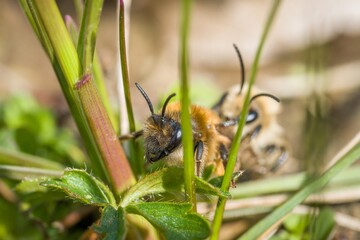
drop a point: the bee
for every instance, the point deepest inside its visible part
(264, 147)
(162, 135)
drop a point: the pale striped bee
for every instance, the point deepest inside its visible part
(264, 147)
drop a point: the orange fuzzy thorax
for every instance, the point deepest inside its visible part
(203, 122)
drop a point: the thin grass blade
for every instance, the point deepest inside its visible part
(22, 159)
(87, 36)
(135, 158)
(21, 173)
(187, 138)
(345, 161)
(237, 139)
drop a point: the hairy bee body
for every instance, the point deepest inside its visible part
(208, 142)
(162, 136)
(264, 147)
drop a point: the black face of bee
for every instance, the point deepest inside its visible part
(162, 135)
(165, 138)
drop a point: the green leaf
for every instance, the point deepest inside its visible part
(112, 223)
(217, 181)
(207, 173)
(31, 186)
(299, 226)
(22, 112)
(13, 224)
(167, 180)
(7, 139)
(324, 225)
(34, 195)
(173, 220)
(16, 107)
(296, 223)
(206, 188)
(81, 186)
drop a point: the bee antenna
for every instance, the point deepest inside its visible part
(264, 95)
(242, 67)
(166, 103)
(146, 98)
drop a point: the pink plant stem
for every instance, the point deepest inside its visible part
(114, 159)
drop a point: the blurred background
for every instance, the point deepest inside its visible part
(311, 61)
(313, 47)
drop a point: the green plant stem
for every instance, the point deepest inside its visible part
(60, 40)
(246, 212)
(237, 139)
(71, 27)
(39, 29)
(87, 35)
(290, 183)
(20, 173)
(79, 8)
(350, 157)
(26, 160)
(31, 18)
(187, 138)
(134, 146)
(124, 67)
(53, 35)
(97, 72)
(100, 84)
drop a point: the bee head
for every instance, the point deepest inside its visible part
(253, 113)
(162, 134)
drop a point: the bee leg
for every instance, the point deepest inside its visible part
(224, 154)
(199, 149)
(131, 135)
(256, 132)
(222, 159)
(281, 159)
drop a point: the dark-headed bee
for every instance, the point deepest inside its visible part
(162, 136)
(263, 146)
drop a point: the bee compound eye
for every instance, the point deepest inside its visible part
(252, 116)
(178, 134)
